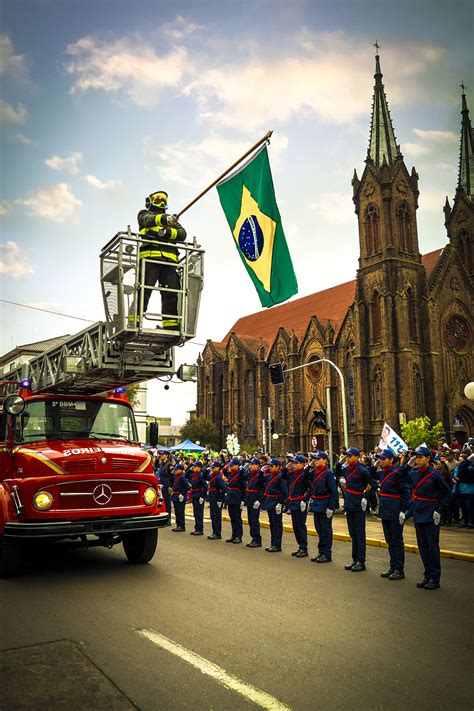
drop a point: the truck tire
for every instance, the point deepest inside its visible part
(140, 546)
(10, 556)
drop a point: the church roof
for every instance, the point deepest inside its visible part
(466, 152)
(382, 142)
(328, 305)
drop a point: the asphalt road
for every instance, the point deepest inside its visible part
(312, 636)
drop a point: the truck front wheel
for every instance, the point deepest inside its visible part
(140, 546)
(10, 556)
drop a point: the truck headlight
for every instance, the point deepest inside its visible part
(149, 496)
(42, 501)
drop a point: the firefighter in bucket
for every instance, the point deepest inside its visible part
(160, 233)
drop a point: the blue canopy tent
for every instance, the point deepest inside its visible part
(187, 446)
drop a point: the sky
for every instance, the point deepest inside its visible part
(105, 101)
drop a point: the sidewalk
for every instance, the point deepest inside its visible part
(455, 542)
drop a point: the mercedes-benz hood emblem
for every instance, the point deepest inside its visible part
(102, 494)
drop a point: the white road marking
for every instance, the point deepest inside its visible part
(258, 697)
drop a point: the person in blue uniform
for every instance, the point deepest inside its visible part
(255, 482)
(198, 496)
(165, 477)
(394, 500)
(235, 499)
(275, 495)
(324, 500)
(430, 496)
(298, 475)
(358, 481)
(215, 495)
(179, 492)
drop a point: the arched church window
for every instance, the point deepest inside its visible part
(208, 398)
(404, 227)
(418, 393)
(377, 395)
(411, 306)
(350, 388)
(250, 402)
(466, 255)
(376, 317)
(372, 230)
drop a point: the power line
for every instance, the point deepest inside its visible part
(47, 311)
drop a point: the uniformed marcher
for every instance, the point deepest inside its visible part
(255, 482)
(160, 232)
(179, 493)
(165, 477)
(198, 496)
(430, 496)
(355, 505)
(215, 495)
(394, 500)
(324, 500)
(235, 499)
(298, 475)
(275, 495)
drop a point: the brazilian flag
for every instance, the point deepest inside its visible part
(248, 200)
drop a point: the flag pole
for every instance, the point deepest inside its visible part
(254, 147)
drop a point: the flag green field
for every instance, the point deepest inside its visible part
(248, 200)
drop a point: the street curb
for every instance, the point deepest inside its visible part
(409, 547)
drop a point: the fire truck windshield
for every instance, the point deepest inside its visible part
(75, 419)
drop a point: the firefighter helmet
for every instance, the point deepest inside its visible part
(159, 198)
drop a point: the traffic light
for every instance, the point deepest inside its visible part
(320, 418)
(153, 433)
(277, 376)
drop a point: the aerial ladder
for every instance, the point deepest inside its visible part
(129, 346)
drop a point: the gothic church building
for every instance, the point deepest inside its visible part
(401, 332)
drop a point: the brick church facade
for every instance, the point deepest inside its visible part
(401, 332)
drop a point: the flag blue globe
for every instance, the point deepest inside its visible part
(251, 239)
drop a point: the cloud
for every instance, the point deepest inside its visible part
(10, 63)
(100, 185)
(415, 149)
(13, 261)
(55, 204)
(22, 139)
(436, 136)
(125, 65)
(69, 164)
(181, 162)
(429, 140)
(432, 199)
(8, 114)
(334, 207)
(4, 208)
(180, 28)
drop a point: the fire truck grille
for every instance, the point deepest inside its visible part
(124, 464)
(77, 466)
(99, 494)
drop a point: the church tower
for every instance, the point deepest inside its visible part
(460, 219)
(391, 281)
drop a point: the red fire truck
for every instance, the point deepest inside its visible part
(71, 465)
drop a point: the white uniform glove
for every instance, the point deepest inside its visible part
(201, 500)
(256, 504)
(329, 513)
(241, 505)
(180, 498)
(401, 518)
(436, 518)
(363, 504)
(219, 504)
(278, 509)
(412, 461)
(303, 505)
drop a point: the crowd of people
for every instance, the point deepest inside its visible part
(434, 487)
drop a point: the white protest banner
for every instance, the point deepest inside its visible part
(391, 440)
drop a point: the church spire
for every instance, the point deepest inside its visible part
(466, 153)
(382, 142)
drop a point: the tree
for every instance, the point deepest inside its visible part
(420, 430)
(203, 430)
(132, 394)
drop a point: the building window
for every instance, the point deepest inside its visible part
(208, 397)
(250, 396)
(465, 252)
(377, 395)
(314, 372)
(376, 317)
(418, 392)
(404, 227)
(411, 306)
(350, 389)
(372, 230)
(231, 400)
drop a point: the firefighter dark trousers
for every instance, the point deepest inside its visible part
(323, 526)
(298, 519)
(198, 510)
(179, 509)
(235, 514)
(427, 537)
(356, 527)
(216, 518)
(253, 516)
(167, 276)
(393, 533)
(276, 527)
